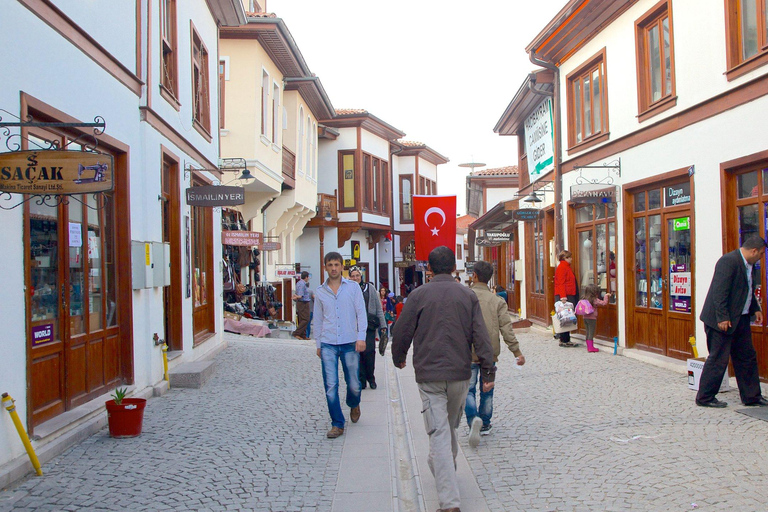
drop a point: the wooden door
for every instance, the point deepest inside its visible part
(679, 310)
(171, 213)
(539, 272)
(203, 320)
(286, 298)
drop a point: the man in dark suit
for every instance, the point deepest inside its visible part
(726, 314)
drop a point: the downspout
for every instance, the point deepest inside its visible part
(558, 148)
(264, 230)
(395, 271)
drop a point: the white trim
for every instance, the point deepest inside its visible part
(275, 148)
(226, 66)
(265, 169)
(223, 132)
(265, 140)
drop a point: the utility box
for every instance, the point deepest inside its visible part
(161, 260)
(695, 366)
(141, 265)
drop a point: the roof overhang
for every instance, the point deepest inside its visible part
(422, 151)
(576, 24)
(497, 218)
(535, 88)
(228, 13)
(365, 120)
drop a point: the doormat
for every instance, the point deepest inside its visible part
(760, 413)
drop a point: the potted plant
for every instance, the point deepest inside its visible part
(125, 415)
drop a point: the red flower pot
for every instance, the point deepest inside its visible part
(125, 419)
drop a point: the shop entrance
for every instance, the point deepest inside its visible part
(659, 280)
(540, 275)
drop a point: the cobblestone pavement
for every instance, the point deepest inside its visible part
(253, 438)
(576, 431)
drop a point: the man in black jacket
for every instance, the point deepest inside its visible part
(444, 321)
(726, 314)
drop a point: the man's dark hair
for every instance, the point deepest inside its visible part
(333, 256)
(483, 271)
(754, 242)
(304, 274)
(442, 260)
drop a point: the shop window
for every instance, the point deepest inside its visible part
(347, 179)
(539, 271)
(655, 64)
(406, 199)
(640, 202)
(596, 251)
(587, 103)
(746, 185)
(654, 199)
(168, 58)
(201, 108)
(746, 36)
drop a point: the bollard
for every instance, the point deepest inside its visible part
(615, 344)
(692, 341)
(10, 405)
(165, 363)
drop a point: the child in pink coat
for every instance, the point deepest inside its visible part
(592, 295)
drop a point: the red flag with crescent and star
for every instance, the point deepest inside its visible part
(434, 221)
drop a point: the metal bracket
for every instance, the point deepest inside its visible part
(611, 167)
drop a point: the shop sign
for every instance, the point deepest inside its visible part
(286, 272)
(350, 262)
(55, 172)
(42, 334)
(539, 140)
(680, 283)
(498, 236)
(212, 195)
(679, 268)
(270, 246)
(526, 214)
(681, 224)
(682, 305)
(241, 238)
(484, 241)
(677, 194)
(594, 193)
(469, 267)
(403, 264)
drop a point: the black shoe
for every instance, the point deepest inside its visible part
(363, 385)
(761, 402)
(373, 384)
(715, 403)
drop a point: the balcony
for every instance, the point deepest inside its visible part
(327, 213)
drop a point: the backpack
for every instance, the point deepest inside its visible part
(584, 307)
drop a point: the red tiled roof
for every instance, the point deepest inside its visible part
(510, 170)
(350, 111)
(464, 221)
(260, 15)
(411, 143)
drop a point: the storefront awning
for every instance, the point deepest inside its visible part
(497, 217)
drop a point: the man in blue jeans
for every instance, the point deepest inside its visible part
(497, 320)
(339, 323)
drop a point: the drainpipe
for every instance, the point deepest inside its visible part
(558, 148)
(264, 230)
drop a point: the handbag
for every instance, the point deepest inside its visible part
(558, 328)
(584, 307)
(383, 340)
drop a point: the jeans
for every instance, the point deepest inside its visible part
(486, 399)
(330, 356)
(309, 325)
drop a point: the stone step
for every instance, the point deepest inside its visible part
(191, 375)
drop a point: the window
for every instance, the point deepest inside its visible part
(747, 35)
(275, 111)
(406, 199)
(202, 267)
(347, 179)
(376, 191)
(655, 64)
(300, 152)
(264, 102)
(459, 255)
(308, 135)
(201, 108)
(222, 82)
(587, 103)
(427, 187)
(367, 183)
(313, 138)
(169, 71)
(385, 187)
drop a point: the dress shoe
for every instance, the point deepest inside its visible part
(354, 414)
(373, 384)
(334, 433)
(761, 402)
(714, 403)
(363, 384)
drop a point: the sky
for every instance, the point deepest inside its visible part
(441, 71)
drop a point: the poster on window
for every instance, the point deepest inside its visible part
(539, 140)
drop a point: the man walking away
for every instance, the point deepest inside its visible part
(496, 317)
(444, 321)
(339, 325)
(726, 314)
(302, 298)
(376, 323)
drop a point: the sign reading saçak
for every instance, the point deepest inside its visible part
(55, 172)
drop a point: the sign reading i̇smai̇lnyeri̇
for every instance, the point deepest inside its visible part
(55, 172)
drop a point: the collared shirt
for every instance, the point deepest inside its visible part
(339, 318)
(302, 290)
(745, 311)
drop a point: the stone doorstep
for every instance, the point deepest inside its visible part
(191, 375)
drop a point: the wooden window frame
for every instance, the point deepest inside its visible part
(355, 176)
(736, 65)
(265, 81)
(459, 255)
(308, 148)
(385, 186)
(409, 179)
(169, 60)
(367, 183)
(597, 61)
(300, 138)
(646, 106)
(202, 240)
(222, 83)
(275, 111)
(201, 85)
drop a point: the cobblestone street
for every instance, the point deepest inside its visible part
(572, 431)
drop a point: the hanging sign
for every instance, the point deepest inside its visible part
(286, 272)
(539, 140)
(680, 283)
(498, 236)
(484, 241)
(677, 194)
(270, 246)
(212, 195)
(526, 214)
(55, 172)
(594, 193)
(469, 267)
(241, 238)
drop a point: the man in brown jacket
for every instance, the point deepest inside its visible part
(443, 320)
(497, 320)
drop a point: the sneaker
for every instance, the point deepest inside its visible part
(354, 414)
(486, 429)
(474, 432)
(334, 433)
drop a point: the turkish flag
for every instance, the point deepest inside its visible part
(434, 221)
